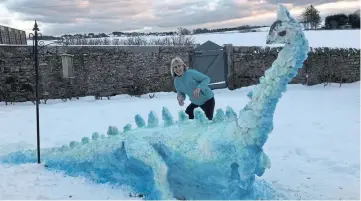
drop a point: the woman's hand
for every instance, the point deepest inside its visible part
(196, 93)
(180, 100)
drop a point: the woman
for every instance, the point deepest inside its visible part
(194, 84)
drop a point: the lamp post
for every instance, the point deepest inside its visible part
(36, 65)
(37, 46)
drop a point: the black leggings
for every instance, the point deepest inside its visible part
(207, 107)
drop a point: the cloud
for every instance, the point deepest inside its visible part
(65, 11)
(198, 12)
(299, 2)
(56, 17)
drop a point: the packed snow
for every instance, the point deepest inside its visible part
(314, 147)
(316, 38)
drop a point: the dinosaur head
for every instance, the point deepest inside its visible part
(284, 29)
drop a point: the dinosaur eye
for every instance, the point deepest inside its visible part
(282, 33)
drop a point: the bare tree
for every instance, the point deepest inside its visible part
(183, 31)
(177, 40)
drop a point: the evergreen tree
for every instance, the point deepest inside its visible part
(310, 17)
(335, 21)
(354, 20)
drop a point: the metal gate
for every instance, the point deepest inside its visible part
(209, 59)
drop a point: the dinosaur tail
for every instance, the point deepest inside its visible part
(257, 116)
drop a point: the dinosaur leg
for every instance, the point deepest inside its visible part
(160, 169)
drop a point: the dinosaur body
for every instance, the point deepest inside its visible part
(192, 159)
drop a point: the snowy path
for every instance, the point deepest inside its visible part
(314, 148)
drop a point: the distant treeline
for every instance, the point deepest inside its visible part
(47, 38)
(339, 21)
(181, 31)
(240, 28)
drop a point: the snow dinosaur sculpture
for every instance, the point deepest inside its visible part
(192, 159)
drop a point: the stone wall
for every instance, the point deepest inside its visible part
(98, 70)
(248, 64)
(111, 70)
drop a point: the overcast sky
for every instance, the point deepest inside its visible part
(57, 17)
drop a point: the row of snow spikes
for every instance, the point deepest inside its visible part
(153, 121)
(199, 117)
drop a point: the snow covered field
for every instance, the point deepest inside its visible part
(319, 38)
(340, 38)
(314, 147)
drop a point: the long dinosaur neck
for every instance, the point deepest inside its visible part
(257, 116)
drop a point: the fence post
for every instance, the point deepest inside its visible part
(228, 49)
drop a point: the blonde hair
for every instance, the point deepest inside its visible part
(176, 61)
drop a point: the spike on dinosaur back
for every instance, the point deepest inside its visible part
(95, 136)
(112, 130)
(153, 120)
(139, 121)
(182, 116)
(127, 127)
(72, 144)
(230, 113)
(199, 116)
(85, 140)
(167, 117)
(219, 116)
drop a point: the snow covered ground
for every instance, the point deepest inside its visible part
(319, 38)
(314, 147)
